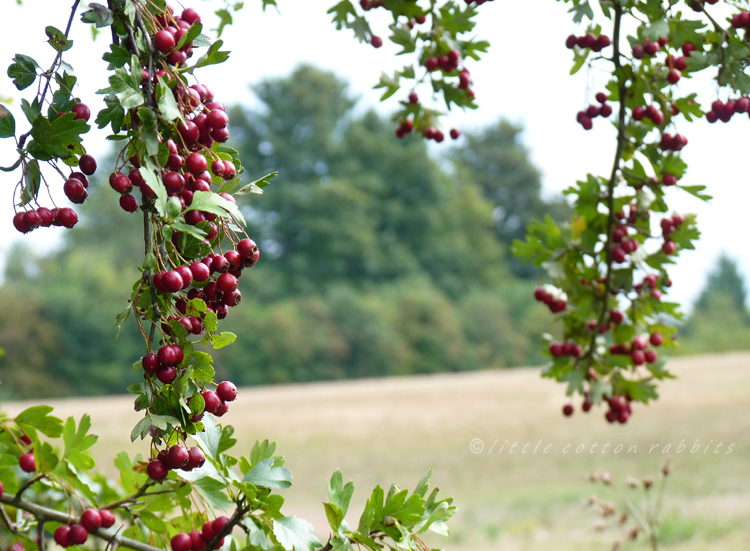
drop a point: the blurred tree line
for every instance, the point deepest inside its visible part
(376, 258)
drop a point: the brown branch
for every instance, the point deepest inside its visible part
(622, 92)
(44, 514)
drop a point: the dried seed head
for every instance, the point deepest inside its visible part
(616, 545)
(667, 468)
(633, 533)
(648, 482)
(593, 477)
(633, 482)
(622, 518)
(606, 478)
(600, 527)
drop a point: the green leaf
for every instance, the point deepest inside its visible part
(118, 57)
(373, 509)
(193, 32)
(213, 56)
(257, 186)
(23, 71)
(225, 18)
(149, 176)
(406, 510)
(32, 179)
(222, 340)
(99, 15)
(112, 114)
(167, 104)
(40, 419)
(697, 191)
(149, 130)
(55, 138)
(77, 440)
(295, 534)
(45, 457)
(335, 516)
(153, 522)
(340, 494)
(128, 477)
(31, 110)
(7, 123)
(58, 40)
(262, 451)
(203, 371)
(264, 474)
(212, 491)
(208, 201)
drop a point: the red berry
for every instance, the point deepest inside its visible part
(164, 41)
(200, 271)
(639, 343)
(77, 535)
(455, 133)
(567, 410)
(27, 462)
(181, 542)
(673, 77)
(217, 119)
(157, 470)
(171, 280)
(196, 163)
(166, 374)
(108, 518)
(212, 400)
(196, 458)
(87, 164)
(669, 247)
(246, 248)
(376, 41)
(150, 363)
(638, 357)
(62, 536)
(650, 356)
(91, 519)
(178, 457)
(227, 282)
(656, 339)
(616, 316)
(82, 112)
(191, 16)
(227, 391)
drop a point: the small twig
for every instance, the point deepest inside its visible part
(28, 483)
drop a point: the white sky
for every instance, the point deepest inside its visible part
(524, 78)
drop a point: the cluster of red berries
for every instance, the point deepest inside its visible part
(173, 28)
(620, 409)
(668, 225)
(622, 245)
(636, 349)
(741, 20)
(672, 143)
(648, 48)
(43, 217)
(163, 363)
(555, 304)
(585, 118)
(75, 189)
(431, 133)
(175, 458)
(448, 62)
(650, 282)
(566, 348)
(594, 43)
(651, 112)
(724, 111)
(197, 540)
(77, 534)
(220, 294)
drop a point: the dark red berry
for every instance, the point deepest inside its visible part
(91, 519)
(227, 391)
(77, 535)
(81, 111)
(150, 363)
(196, 458)
(87, 164)
(27, 462)
(567, 410)
(181, 542)
(62, 536)
(108, 518)
(166, 374)
(164, 41)
(212, 400)
(157, 470)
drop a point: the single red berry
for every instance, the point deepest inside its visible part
(431, 63)
(673, 77)
(200, 271)
(150, 363)
(178, 457)
(586, 406)
(87, 164)
(639, 343)
(638, 357)
(157, 470)
(227, 282)
(196, 163)
(227, 391)
(77, 535)
(27, 462)
(166, 374)
(62, 536)
(73, 189)
(211, 400)
(181, 542)
(376, 41)
(108, 518)
(413, 98)
(164, 41)
(455, 133)
(669, 247)
(567, 410)
(196, 458)
(616, 316)
(656, 339)
(197, 543)
(191, 16)
(246, 247)
(91, 520)
(81, 111)
(650, 356)
(171, 280)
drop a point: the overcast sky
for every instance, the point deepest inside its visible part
(524, 78)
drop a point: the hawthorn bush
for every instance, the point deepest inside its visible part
(608, 266)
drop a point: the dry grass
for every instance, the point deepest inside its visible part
(386, 430)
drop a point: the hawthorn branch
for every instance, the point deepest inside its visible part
(622, 92)
(243, 507)
(44, 514)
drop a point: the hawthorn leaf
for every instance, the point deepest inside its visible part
(264, 474)
(295, 534)
(7, 123)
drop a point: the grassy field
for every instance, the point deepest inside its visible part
(392, 430)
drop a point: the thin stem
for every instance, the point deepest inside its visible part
(622, 91)
(45, 514)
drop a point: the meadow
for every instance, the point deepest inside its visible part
(379, 431)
